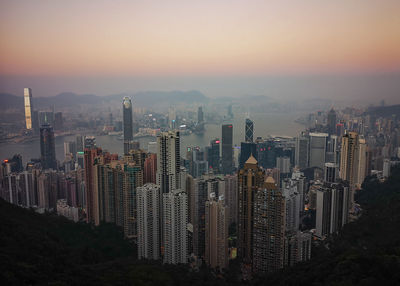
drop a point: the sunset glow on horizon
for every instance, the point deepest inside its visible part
(119, 38)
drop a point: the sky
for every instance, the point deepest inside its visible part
(116, 46)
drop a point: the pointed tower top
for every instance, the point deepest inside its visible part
(251, 160)
(270, 180)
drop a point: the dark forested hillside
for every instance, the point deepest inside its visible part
(366, 252)
(47, 249)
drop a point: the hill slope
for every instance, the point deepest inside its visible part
(47, 249)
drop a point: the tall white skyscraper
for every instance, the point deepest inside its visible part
(175, 220)
(168, 161)
(28, 107)
(149, 219)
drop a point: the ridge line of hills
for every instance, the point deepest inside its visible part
(71, 99)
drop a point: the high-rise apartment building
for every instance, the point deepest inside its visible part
(168, 161)
(250, 181)
(175, 220)
(203, 188)
(330, 172)
(200, 196)
(227, 148)
(28, 108)
(133, 178)
(47, 148)
(92, 206)
(249, 130)
(297, 248)
(127, 123)
(150, 169)
(149, 220)
(361, 163)
(348, 157)
(353, 161)
(332, 208)
(70, 149)
(115, 184)
(20, 189)
(231, 197)
(292, 205)
(268, 228)
(216, 232)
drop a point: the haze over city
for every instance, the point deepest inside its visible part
(290, 49)
(176, 142)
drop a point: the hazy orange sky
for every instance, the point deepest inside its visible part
(338, 50)
(120, 38)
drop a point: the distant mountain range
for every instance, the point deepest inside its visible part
(67, 99)
(384, 111)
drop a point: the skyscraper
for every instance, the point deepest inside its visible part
(92, 206)
(332, 208)
(127, 123)
(149, 219)
(213, 156)
(47, 148)
(227, 148)
(361, 163)
(150, 169)
(133, 178)
(332, 122)
(216, 233)
(168, 161)
(332, 149)
(46, 117)
(249, 130)
(231, 197)
(353, 161)
(28, 107)
(246, 150)
(330, 172)
(302, 151)
(175, 219)
(58, 121)
(200, 196)
(318, 143)
(114, 186)
(35, 121)
(200, 115)
(269, 228)
(250, 181)
(80, 143)
(70, 148)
